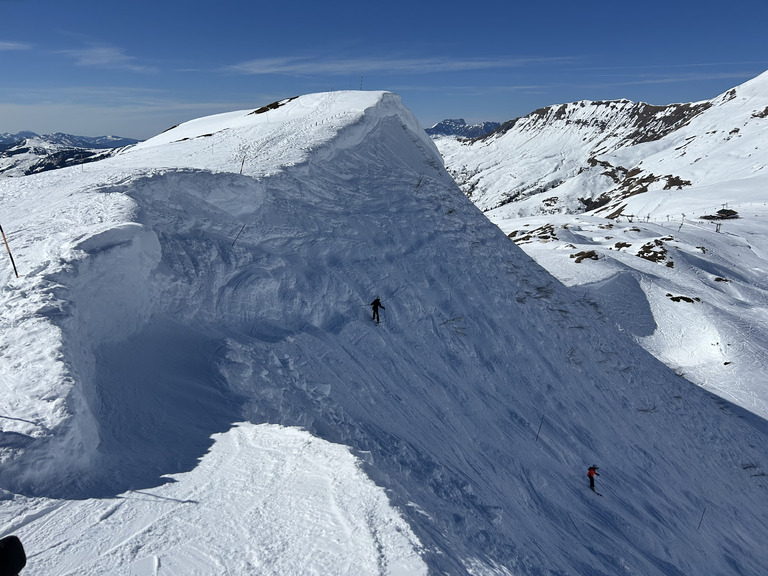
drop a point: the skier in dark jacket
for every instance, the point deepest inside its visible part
(376, 304)
(591, 473)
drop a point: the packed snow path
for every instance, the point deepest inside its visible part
(166, 297)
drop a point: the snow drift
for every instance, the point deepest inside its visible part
(221, 273)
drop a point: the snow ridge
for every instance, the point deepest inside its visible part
(222, 272)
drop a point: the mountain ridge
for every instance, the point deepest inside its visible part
(200, 302)
(8, 140)
(567, 146)
(459, 127)
(27, 153)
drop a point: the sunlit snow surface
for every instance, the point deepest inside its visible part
(659, 253)
(192, 384)
(264, 500)
(696, 299)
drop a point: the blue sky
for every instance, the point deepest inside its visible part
(136, 68)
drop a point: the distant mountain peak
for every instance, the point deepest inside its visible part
(459, 127)
(639, 122)
(28, 152)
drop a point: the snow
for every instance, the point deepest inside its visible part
(720, 340)
(28, 152)
(192, 382)
(333, 519)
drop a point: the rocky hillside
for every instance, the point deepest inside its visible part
(587, 156)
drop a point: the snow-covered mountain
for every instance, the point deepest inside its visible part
(62, 140)
(192, 383)
(28, 153)
(625, 201)
(583, 156)
(459, 127)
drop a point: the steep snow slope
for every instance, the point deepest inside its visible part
(166, 296)
(696, 299)
(648, 190)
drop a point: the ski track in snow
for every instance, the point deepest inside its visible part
(192, 383)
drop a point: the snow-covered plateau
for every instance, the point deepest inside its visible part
(656, 214)
(191, 382)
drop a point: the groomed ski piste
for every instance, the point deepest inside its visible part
(191, 382)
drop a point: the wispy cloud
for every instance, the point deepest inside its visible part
(142, 100)
(341, 66)
(9, 46)
(469, 89)
(612, 76)
(108, 57)
(691, 77)
(95, 110)
(668, 66)
(604, 82)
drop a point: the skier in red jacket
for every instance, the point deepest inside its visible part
(591, 473)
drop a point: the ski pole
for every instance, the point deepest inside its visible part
(9, 252)
(238, 235)
(702, 518)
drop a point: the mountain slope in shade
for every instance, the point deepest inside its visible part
(187, 305)
(459, 127)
